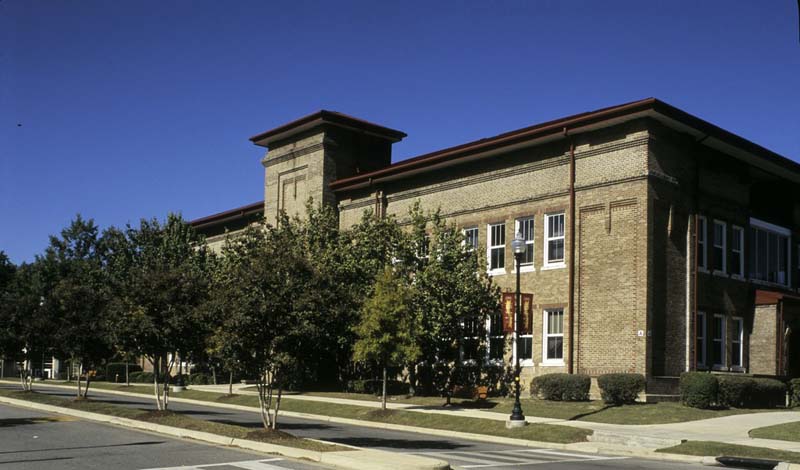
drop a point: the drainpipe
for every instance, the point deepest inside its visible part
(780, 343)
(571, 288)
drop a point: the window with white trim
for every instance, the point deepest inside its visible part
(737, 343)
(718, 330)
(553, 336)
(471, 238)
(525, 228)
(554, 239)
(737, 250)
(700, 343)
(769, 252)
(720, 246)
(702, 255)
(525, 348)
(497, 248)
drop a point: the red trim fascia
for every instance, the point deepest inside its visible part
(228, 214)
(332, 117)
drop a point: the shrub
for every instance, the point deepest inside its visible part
(498, 379)
(768, 393)
(375, 387)
(619, 389)
(735, 391)
(115, 369)
(142, 377)
(794, 390)
(200, 378)
(561, 387)
(699, 389)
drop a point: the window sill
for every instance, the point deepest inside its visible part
(738, 277)
(720, 273)
(720, 368)
(526, 363)
(769, 283)
(548, 267)
(551, 364)
(738, 369)
(701, 269)
(496, 272)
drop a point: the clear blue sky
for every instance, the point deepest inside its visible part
(132, 109)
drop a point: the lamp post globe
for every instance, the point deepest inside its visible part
(517, 418)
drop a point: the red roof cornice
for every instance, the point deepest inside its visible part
(228, 215)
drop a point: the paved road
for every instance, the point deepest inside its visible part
(461, 453)
(31, 440)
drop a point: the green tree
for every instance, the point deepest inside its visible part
(387, 329)
(262, 293)
(159, 276)
(24, 325)
(77, 300)
(453, 296)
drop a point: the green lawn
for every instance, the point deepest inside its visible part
(718, 449)
(176, 420)
(782, 432)
(593, 411)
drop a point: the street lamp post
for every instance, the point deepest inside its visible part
(517, 419)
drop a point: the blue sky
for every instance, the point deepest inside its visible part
(126, 109)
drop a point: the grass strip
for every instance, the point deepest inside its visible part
(781, 432)
(178, 420)
(719, 449)
(491, 427)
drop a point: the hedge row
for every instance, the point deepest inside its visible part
(375, 387)
(794, 390)
(615, 389)
(561, 387)
(704, 390)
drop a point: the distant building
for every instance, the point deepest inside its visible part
(659, 243)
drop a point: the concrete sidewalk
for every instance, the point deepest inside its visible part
(728, 429)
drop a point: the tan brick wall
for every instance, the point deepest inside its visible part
(764, 340)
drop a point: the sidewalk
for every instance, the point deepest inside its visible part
(728, 429)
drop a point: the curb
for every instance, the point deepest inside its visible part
(359, 459)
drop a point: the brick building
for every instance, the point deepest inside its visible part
(658, 242)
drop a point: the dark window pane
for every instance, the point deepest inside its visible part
(555, 251)
(555, 347)
(496, 346)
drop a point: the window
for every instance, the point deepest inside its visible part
(718, 342)
(737, 344)
(497, 341)
(769, 252)
(497, 248)
(553, 337)
(525, 228)
(702, 261)
(470, 342)
(424, 247)
(525, 348)
(554, 239)
(720, 249)
(700, 343)
(471, 238)
(737, 249)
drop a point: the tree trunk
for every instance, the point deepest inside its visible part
(264, 399)
(156, 371)
(127, 372)
(230, 383)
(167, 378)
(23, 380)
(214, 375)
(86, 388)
(80, 369)
(277, 408)
(383, 394)
(412, 379)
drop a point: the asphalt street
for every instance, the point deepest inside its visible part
(31, 440)
(461, 453)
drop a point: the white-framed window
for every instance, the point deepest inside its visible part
(737, 344)
(700, 343)
(554, 239)
(496, 250)
(524, 227)
(702, 253)
(718, 332)
(471, 238)
(553, 336)
(720, 246)
(525, 348)
(737, 249)
(496, 339)
(769, 252)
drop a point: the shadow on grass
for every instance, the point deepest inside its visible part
(414, 444)
(593, 412)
